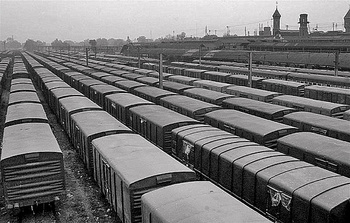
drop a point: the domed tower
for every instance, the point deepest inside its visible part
(347, 22)
(303, 30)
(276, 22)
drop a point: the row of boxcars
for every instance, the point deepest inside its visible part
(278, 185)
(31, 161)
(127, 167)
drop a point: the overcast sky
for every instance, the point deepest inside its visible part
(75, 20)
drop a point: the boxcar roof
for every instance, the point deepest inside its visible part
(135, 159)
(129, 84)
(248, 122)
(182, 78)
(64, 92)
(257, 105)
(333, 149)
(28, 138)
(77, 102)
(176, 86)
(188, 103)
(112, 79)
(329, 89)
(119, 72)
(254, 91)
(153, 91)
(105, 88)
(199, 201)
(22, 87)
(217, 73)
(93, 122)
(283, 82)
(206, 93)
(21, 96)
(57, 84)
(126, 99)
(21, 81)
(323, 121)
(23, 111)
(132, 76)
(160, 116)
(308, 102)
(211, 83)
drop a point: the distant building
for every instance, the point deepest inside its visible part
(276, 22)
(303, 30)
(347, 22)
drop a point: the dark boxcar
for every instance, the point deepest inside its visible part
(258, 108)
(331, 94)
(195, 202)
(89, 125)
(284, 87)
(319, 150)
(252, 93)
(119, 104)
(259, 130)
(99, 92)
(56, 94)
(329, 126)
(129, 86)
(311, 105)
(206, 95)
(212, 85)
(127, 166)
(31, 165)
(151, 81)
(152, 94)
(25, 112)
(188, 106)
(175, 87)
(183, 79)
(216, 76)
(156, 123)
(71, 105)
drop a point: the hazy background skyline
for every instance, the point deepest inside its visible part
(74, 20)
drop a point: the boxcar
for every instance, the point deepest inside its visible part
(152, 94)
(22, 87)
(328, 153)
(259, 130)
(212, 85)
(332, 81)
(176, 87)
(242, 80)
(216, 76)
(56, 94)
(132, 76)
(89, 125)
(99, 75)
(331, 94)
(21, 81)
(311, 105)
(329, 126)
(258, 108)
(119, 104)
(182, 79)
(195, 202)
(128, 85)
(196, 73)
(99, 92)
(111, 79)
(71, 105)
(151, 81)
(31, 165)
(284, 87)
(128, 166)
(156, 123)
(206, 95)
(85, 85)
(25, 112)
(188, 106)
(156, 75)
(252, 93)
(21, 97)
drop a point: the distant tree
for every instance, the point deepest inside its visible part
(12, 44)
(141, 39)
(181, 36)
(30, 45)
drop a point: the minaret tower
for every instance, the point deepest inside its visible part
(276, 21)
(303, 31)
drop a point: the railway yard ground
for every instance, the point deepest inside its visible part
(82, 202)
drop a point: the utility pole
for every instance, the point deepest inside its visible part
(336, 62)
(87, 56)
(161, 71)
(250, 69)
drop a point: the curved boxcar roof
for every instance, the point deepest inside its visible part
(105, 88)
(207, 94)
(22, 87)
(21, 81)
(316, 146)
(196, 202)
(324, 107)
(59, 93)
(283, 82)
(322, 121)
(136, 160)
(19, 97)
(127, 100)
(190, 104)
(78, 103)
(160, 116)
(252, 91)
(128, 84)
(25, 112)
(57, 84)
(251, 123)
(28, 138)
(175, 87)
(154, 92)
(94, 122)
